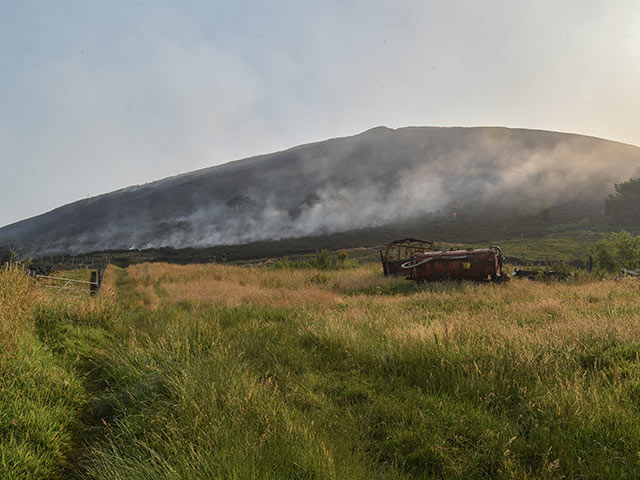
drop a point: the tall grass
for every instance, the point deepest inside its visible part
(523, 380)
(16, 297)
(39, 396)
(216, 371)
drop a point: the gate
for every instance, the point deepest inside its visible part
(70, 285)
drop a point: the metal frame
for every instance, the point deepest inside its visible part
(70, 285)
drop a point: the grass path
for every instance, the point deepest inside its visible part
(76, 336)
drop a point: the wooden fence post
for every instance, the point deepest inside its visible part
(101, 271)
(93, 288)
(96, 281)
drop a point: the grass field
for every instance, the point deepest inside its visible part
(214, 371)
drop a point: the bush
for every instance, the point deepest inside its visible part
(622, 207)
(562, 267)
(619, 250)
(325, 260)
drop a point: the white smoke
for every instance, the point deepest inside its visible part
(365, 181)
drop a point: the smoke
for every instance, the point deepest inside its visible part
(333, 209)
(101, 94)
(370, 180)
(516, 179)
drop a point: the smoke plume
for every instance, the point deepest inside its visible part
(368, 180)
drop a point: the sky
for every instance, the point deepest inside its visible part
(96, 96)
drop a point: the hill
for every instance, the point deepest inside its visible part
(415, 176)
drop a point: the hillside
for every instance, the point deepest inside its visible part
(380, 178)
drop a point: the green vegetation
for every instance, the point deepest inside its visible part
(552, 247)
(619, 250)
(40, 395)
(622, 207)
(212, 371)
(322, 260)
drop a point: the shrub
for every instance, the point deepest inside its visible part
(621, 249)
(622, 207)
(325, 260)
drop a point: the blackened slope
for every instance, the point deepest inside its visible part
(356, 182)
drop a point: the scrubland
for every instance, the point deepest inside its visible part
(213, 371)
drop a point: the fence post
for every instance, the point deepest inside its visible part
(93, 288)
(101, 277)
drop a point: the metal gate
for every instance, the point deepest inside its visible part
(73, 286)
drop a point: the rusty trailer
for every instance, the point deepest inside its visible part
(401, 251)
(479, 264)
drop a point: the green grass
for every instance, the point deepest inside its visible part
(378, 378)
(247, 392)
(39, 400)
(40, 395)
(552, 247)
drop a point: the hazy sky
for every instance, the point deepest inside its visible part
(95, 96)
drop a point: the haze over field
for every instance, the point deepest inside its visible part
(368, 180)
(97, 96)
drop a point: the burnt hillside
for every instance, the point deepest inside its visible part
(361, 182)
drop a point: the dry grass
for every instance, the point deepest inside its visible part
(40, 397)
(534, 314)
(205, 285)
(17, 296)
(213, 371)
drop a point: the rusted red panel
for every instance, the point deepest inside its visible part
(456, 264)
